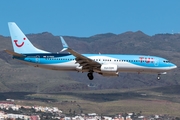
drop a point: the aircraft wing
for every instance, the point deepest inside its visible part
(84, 61)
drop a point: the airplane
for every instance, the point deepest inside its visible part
(103, 64)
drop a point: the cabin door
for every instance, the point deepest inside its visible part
(37, 58)
(156, 62)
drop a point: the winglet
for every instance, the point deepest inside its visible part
(64, 44)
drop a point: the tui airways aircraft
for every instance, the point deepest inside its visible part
(104, 64)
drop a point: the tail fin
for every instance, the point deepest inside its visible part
(20, 42)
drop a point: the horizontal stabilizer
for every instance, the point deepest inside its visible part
(14, 53)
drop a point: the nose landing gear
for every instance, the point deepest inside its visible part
(158, 77)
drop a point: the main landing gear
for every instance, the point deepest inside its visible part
(158, 77)
(90, 76)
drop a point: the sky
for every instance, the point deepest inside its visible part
(85, 18)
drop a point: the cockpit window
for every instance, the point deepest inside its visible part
(166, 61)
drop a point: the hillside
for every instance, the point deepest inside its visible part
(15, 76)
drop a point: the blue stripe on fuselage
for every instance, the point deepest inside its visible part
(139, 60)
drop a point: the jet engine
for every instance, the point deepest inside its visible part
(109, 68)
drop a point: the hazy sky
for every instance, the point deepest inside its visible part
(84, 18)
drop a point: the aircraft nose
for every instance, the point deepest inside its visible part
(174, 66)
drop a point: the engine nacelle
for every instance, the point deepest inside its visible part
(79, 68)
(109, 68)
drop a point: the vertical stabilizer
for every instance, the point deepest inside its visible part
(20, 42)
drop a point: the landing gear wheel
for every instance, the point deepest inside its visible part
(90, 76)
(158, 77)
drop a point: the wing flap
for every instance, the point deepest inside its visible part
(82, 60)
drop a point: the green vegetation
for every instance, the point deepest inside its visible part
(106, 102)
(115, 101)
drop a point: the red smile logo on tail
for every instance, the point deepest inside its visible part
(19, 45)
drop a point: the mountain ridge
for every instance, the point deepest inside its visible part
(163, 45)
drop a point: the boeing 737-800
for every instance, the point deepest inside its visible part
(103, 64)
